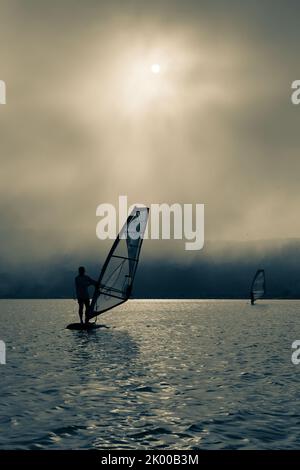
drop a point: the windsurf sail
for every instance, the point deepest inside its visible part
(258, 287)
(115, 282)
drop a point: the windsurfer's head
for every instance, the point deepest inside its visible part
(81, 270)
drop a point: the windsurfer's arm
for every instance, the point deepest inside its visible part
(92, 282)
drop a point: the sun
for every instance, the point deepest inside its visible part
(155, 68)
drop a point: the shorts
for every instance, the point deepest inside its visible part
(83, 302)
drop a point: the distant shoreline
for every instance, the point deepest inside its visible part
(165, 299)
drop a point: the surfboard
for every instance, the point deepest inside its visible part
(83, 326)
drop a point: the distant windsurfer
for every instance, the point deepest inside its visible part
(82, 284)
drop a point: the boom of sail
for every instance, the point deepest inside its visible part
(115, 282)
(258, 287)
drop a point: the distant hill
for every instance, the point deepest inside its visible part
(221, 270)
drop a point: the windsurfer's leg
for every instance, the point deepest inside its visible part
(87, 310)
(80, 311)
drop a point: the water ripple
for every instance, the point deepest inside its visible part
(174, 375)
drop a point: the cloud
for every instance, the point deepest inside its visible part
(84, 125)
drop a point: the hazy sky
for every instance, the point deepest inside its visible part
(87, 121)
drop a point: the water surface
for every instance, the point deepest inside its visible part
(171, 375)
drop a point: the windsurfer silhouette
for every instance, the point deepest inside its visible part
(82, 283)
